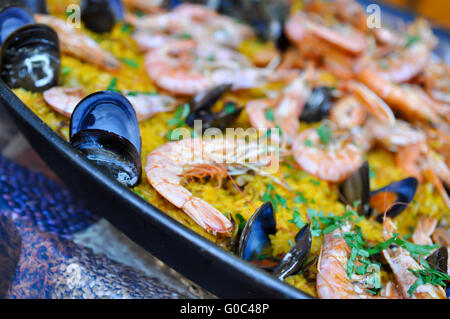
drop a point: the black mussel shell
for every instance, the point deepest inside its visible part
(318, 105)
(395, 198)
(35, 6)
(30, 58)
(439, 259)
(101, 15)
(12, 18)
(295, 259)
(201, 109)
(255, 235)
(356, 188)
(105, 128)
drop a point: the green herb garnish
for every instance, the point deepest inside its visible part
(112, 85)
(269, 115)
(180, 115)
(65, 70)
(324, 133)
(130, 63)
(411, 40)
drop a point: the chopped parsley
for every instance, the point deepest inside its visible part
(308, 143)
(300, 198)
(411, 40)
(65, 70)
(229, 107)
(297, 219)
(324, 133)
(274, 198)
(126, 28)
(180, 115)
(112, 85)
(130, 63)
(269, 115)
(429, 275)
(242, 221)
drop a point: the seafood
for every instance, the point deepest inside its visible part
(332, 160)
(187, 67)
(341, 35)
(78, 44)
(144, 5)
(169, 164)
(436, 78)
(405, 98)
(64, 100)
(104, 127)
(422, 162)
(400, 262)
(348, 112)
(30, 58)
(193, 21)
(410, 57)
(286, 109)
(423, 231)
(332, 279)
(101, 15)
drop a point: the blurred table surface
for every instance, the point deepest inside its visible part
(101, 237)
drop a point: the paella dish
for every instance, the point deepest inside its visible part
(309, 138)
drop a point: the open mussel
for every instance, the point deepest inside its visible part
(35, 6)
(439, 259)
(30, 58)
(255, 235)
(101, 15)
(254, 243)
(11, 19)
(295, 259)
(318, 105)
(104, 127)
(201, 109)
(391, 199)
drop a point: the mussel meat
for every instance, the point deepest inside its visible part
(391, 199)
(254, 241)
(295, 259)
(318, 105)
(104, 127)
(201, 109)
(35, 6)
(12, 18)
(101, 15)
(30, 58)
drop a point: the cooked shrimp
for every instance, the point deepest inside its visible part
(197, 22)
(422, 162)
(286, 109)
(333, 161)
(332, 280)
(348, 112)
(437, 81)
(406, 99)
(423, 231)
(64, 100)
(169, 164)
(78, 44)
(342, 36)
(400, 262)
(148, 6)
(409, 57)
(188, 67)
(376, 106)
(393, 137)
